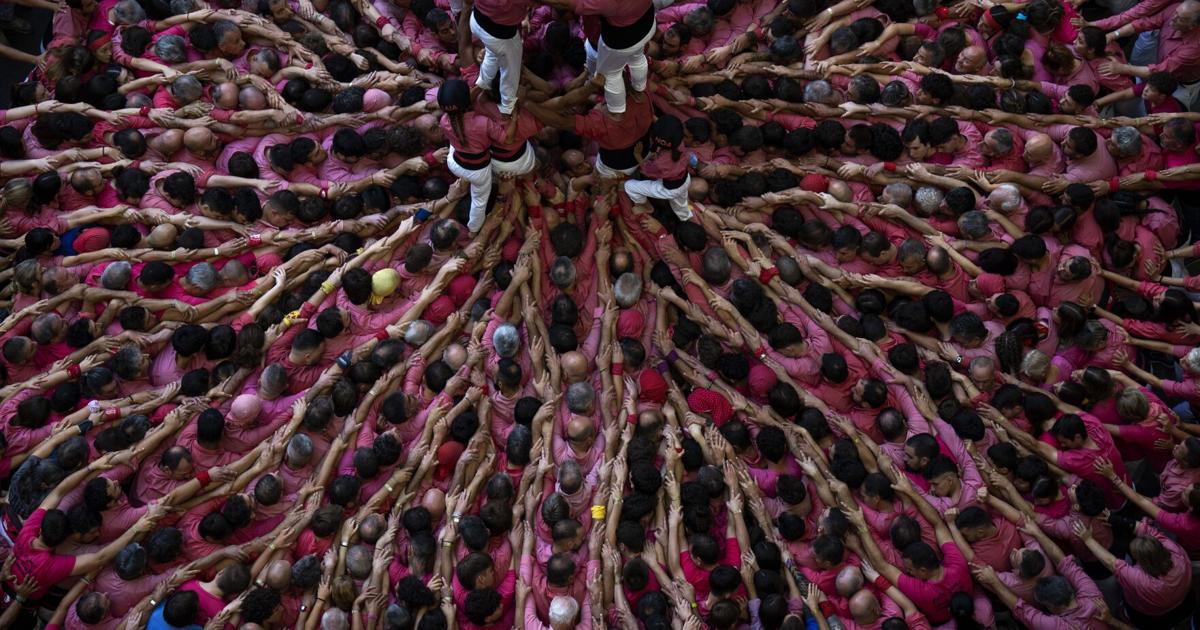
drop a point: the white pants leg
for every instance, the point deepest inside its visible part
(589, 61)
(503, 55)
(481, 189)
(611, 63)
(641, 189)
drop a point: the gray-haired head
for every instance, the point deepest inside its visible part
(1191, 361)
(116, 275)
(819, 91)
(627, 290)
(335, 619)
(927, 200)
(203, 277)
(1003, 139)
(506, 340)
(1126, 142)
(45, 327)
(273, 381)
(186, 89)
(299, 451)
(419, 332)
(1035, 364)
(171, 49)
(580, 397)
(1005, 199)
(563, 610)
(179, 7)
(128, 12)
(562, 272)
(898, 193)
(358, 561)
(974, 225)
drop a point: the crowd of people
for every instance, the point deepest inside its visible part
(553, 314)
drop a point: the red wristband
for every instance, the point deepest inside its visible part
(307, 309)
(618, 369)
(759, 33)
(144, 111)
(632, 419)
(112, 413)
(827, 608)
(383, 335)
(381, 21)
(429, 158)
(535, 212)
(73, 371)
(1114, 184)
(255, 240)
(204, 478)
(765, 275)
(135, 165)
(485, 389)
(889, 167)
(324, 192)
(1151, 176)
(882, 583)
(942, 13)
(299, 118)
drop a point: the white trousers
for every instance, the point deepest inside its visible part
(641, 189)
(481, 189)
(518, 167)
(503, 55)
(607, 172)
(612, 63)
(589, 59)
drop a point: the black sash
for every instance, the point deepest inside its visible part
(622, 37)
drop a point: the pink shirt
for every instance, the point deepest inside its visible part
(1150, 594)
(933, 598)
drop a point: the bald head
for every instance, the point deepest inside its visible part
(455, 356)
(579, 428)
(1039, 149)
(864, 607)
(840, 190)
(233, 274)
(849, 580)
(574, 366)
(971, 60)
(435, 501)
(279, 575)
(200, 140)
(162, 236)
(573, 158)
(252, 98)
(371, 528)
(225, 95)
(168, 142)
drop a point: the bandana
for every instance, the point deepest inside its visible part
(92, 239)
(706, 401)
(989, 284)
(761, 380)
(653, 387)
(383, 284)
(815, 183)
(439, 310)
(630, 323)
(460, 289)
